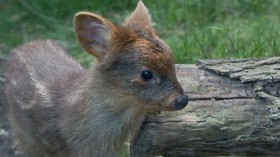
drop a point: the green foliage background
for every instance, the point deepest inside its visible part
(194, 29)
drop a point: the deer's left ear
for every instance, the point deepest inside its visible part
(140, 17)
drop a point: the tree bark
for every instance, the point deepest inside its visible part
(233, 110)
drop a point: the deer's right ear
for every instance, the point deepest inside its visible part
(94, 33)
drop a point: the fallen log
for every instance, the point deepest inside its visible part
(233, 110)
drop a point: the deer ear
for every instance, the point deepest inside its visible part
(94, 33)
(140, 17)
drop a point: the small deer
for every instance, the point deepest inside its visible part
(58, 109)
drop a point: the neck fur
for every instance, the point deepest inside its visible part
(98, 124)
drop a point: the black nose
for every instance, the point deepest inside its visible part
(181, 102)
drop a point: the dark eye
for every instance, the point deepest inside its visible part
(147, 75)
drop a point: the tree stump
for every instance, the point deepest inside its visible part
(233, 110)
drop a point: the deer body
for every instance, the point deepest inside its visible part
(59, 109)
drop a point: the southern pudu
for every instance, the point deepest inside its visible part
(58, 109)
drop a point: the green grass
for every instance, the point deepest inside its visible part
(195, 29)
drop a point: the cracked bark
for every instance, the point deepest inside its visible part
(233, 110)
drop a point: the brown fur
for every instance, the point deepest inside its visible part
(58, 109)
